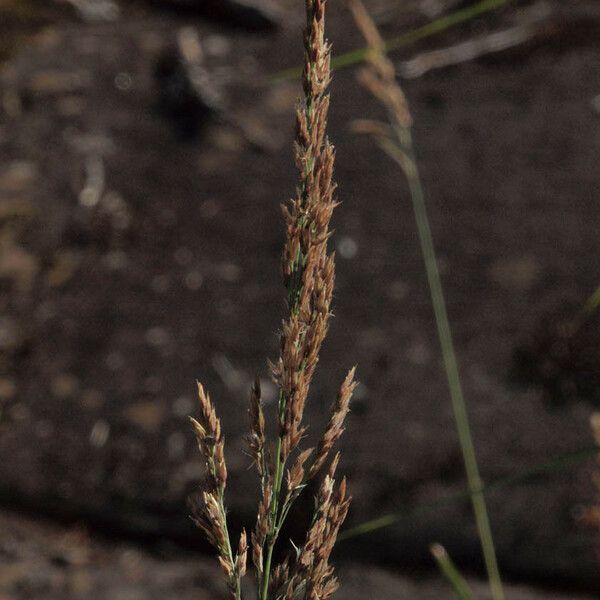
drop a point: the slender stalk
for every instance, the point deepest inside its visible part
(272, 536)
(211, 515)
(456, 393)
(451, 573)
(228, 549)
(396, 139)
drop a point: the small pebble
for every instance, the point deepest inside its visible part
(183, 406)
(123, 81)
(8, 389)
(229, 272)
(64, 385)
(158, 336)
(194, 280)
(148, 416)
(347, 247)
(100, 433)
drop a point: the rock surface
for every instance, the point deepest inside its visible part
(150, 262)
(44, 561)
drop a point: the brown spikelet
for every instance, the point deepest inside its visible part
(308, 270)
(308, 275)
(242, 554)
(256, 439)
(279, 580)
(296, 475)
(335, 427)
(210, 440)
(262, 528)
(210, 516)
(312, 570)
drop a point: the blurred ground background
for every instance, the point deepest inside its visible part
(140, 239)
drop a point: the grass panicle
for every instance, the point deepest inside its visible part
(284, 467)
(211, 515)
(378, 77)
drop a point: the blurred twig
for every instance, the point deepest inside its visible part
(526, 29)
(405, 39)
(93, 11)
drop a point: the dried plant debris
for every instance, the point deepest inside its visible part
(543, 23)
(93, 11)
(284, 467)
(528, 25)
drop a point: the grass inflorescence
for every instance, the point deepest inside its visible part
(284, 466)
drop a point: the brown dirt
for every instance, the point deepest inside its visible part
(109, 311)
(40, 560)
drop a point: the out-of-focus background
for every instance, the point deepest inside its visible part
(145, 149)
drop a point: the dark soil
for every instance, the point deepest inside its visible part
(40, 560)
(112, 304)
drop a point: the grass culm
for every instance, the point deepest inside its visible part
(285, 468)
(395, 138)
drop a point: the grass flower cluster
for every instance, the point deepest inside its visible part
(284, 466)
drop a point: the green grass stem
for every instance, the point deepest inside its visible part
(452, 374)
(451, 573)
